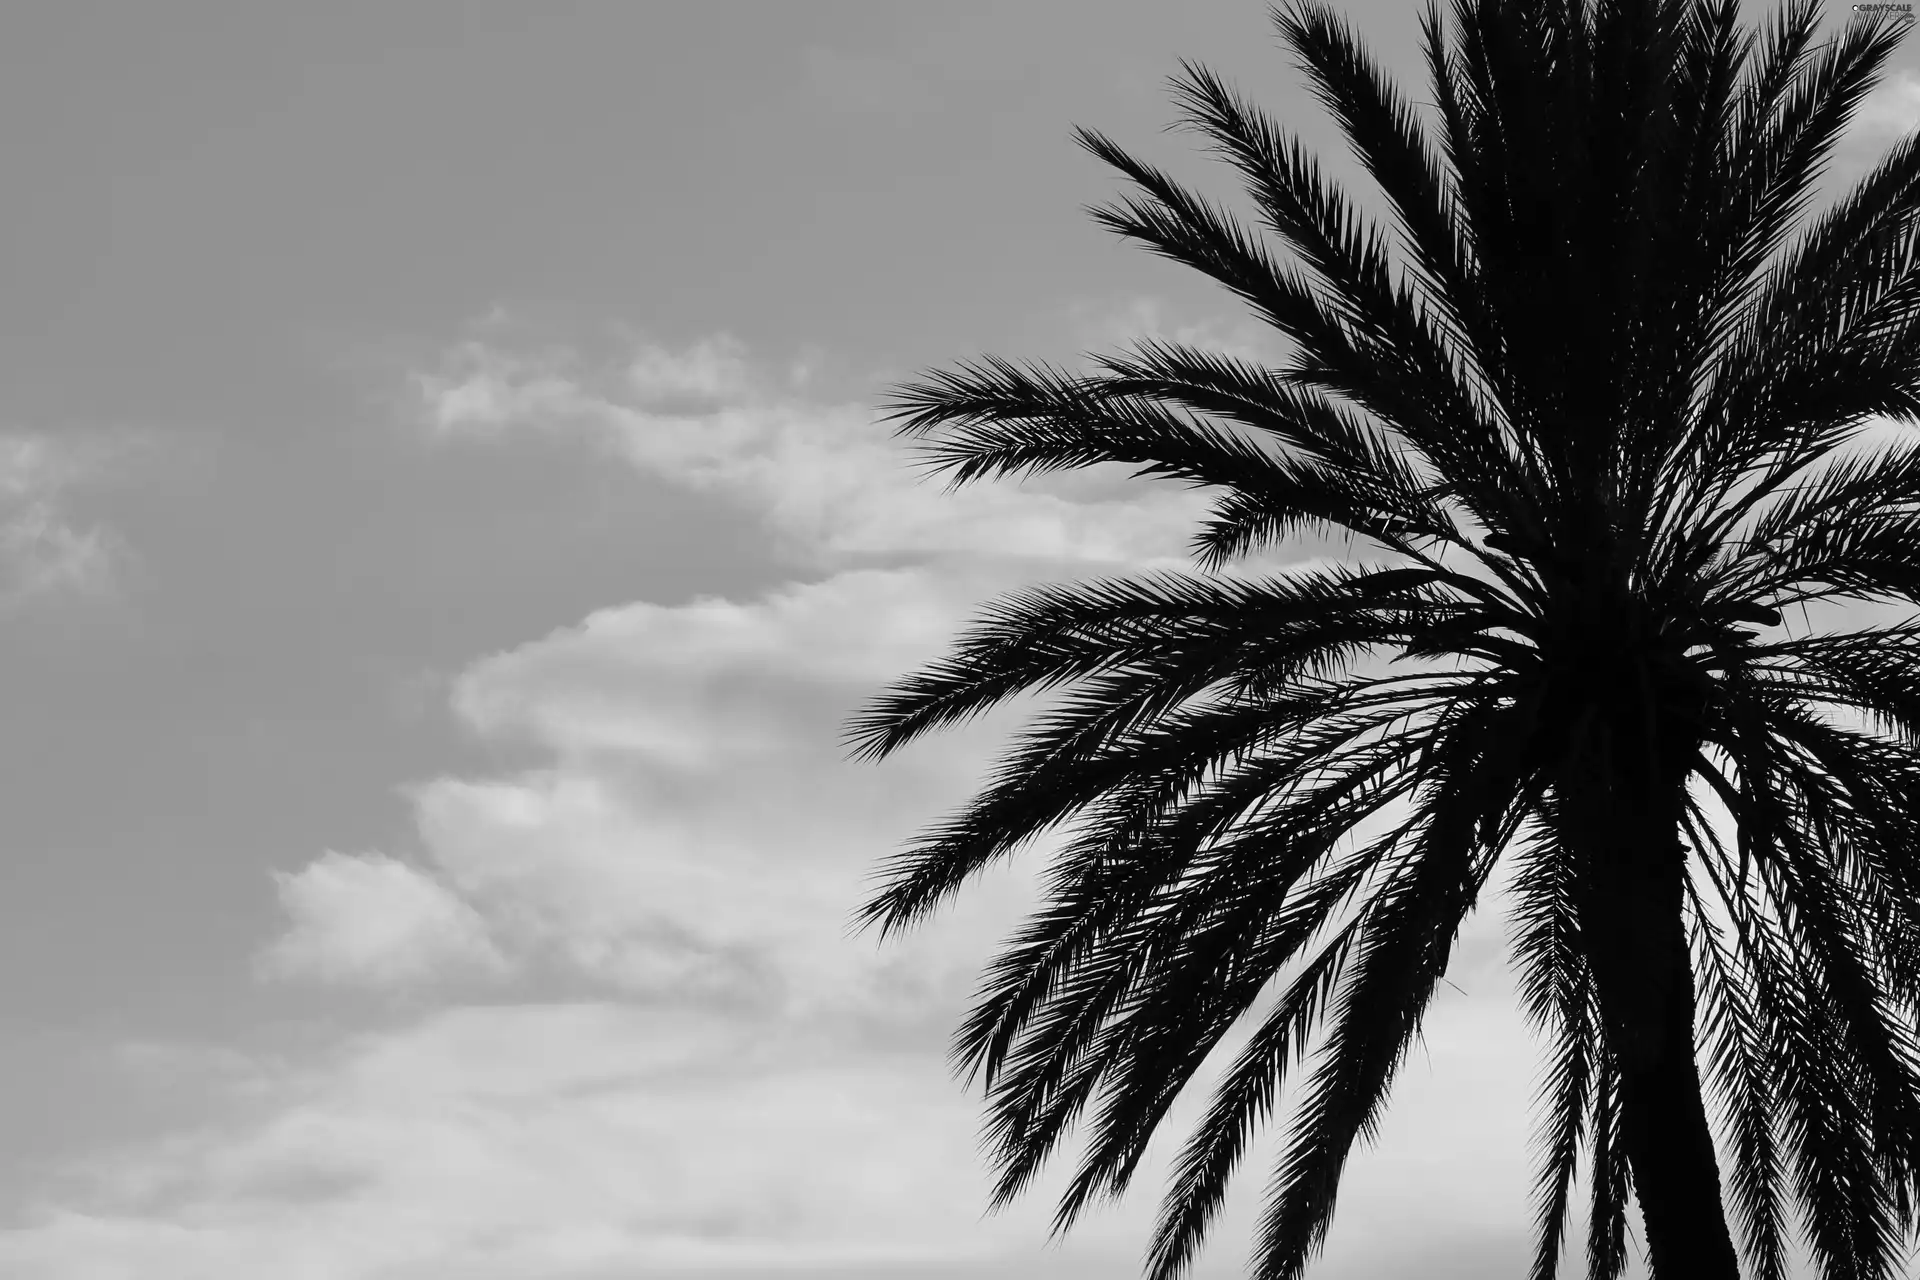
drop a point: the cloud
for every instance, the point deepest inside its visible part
(695, 833)
(1892, 110)
(585, 1140)
(652, 679)
(689, 834)
(688, 1064)
(559, 1140)
(689, 839)
(828, 480)
(1107, 324)
(43, 548)
(372, 919)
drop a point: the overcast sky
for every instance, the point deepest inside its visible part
(444, 528)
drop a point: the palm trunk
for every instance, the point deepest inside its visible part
(1645, 977)
(1625, 793)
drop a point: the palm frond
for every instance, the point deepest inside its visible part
(1275, 632)
(1244, 1100)
(1386, 136)
(1783, 388)
(1740, 1051)
(1149, 833)
(1069, 1043)
(1392, 384)
(1401, 957)
(1555, 989)
(1612, 1181)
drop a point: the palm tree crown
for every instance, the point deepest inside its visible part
(1588, 418)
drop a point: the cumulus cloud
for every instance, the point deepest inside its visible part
(697, 835)
(372, 919)
(691, 835)
(706, 1071)
(604, 684)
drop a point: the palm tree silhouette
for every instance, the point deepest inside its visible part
(1592, 423)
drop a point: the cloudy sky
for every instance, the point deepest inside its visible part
(443, 528)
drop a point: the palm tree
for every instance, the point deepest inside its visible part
(1590, 424)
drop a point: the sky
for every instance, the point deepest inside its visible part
(444, 526)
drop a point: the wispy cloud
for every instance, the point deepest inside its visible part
(1111, 323)
(828, 479)
(43, 546)
(561, 1141)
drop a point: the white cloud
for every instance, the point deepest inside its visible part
(710, 1073)
(651, 679)
(372, 919)
(558, 1142)
(714, 895)
(1892, 110)
(828, 479)
(588, 1140)
(698, 833)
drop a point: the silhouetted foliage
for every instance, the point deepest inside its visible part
(1586, 423)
